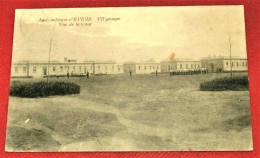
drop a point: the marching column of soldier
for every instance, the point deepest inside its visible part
(189, 71)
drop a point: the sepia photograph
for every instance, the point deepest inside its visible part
(129, 79)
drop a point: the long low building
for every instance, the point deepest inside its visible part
(71, 67)
(146, 67)
(180, 64)
(224, 64)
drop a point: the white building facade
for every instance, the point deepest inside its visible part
(148, 67)
(180, 65)
(225, 64)
(68, 67)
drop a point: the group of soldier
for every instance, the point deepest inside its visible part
(172, 72)
(68, 75)
(130, 73)
(189, 71)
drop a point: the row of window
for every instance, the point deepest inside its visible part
(191, 66)
(16, 70)
(73, 68)
(243, 64)
(61, 68)
(151, 67)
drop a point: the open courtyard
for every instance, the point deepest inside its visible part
(128, 113)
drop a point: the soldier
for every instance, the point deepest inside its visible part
(87, 74)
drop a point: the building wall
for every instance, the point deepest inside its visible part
(238, 65)
(213, 65)
(19, 70)
(178, 65)
(129, 66)
(106, 68)
(146, 68)
(167, 66)
(41, 69)
(120, 69)
(188, 65)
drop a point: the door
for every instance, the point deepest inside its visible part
(44, 71)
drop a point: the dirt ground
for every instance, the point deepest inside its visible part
(132, 113)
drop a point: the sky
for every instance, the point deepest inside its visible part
(141, 33)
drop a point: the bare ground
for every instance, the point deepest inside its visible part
(141, 112)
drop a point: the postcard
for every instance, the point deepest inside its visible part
(129, 79)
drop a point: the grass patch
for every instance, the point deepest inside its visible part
(238, 83)
(42, 89)
(21, 139)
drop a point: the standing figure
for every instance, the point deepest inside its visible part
(68, 75)
(156, 72)
(130, 72)
(87, 74)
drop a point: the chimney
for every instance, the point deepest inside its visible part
(65, 59)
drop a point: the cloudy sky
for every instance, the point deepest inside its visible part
(141, 34)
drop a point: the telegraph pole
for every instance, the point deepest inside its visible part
(49, 61)
(230, 51)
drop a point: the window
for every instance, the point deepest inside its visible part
(53, 68)
(191, 66)
(232, 64)
(139, 67)
(79, 68)
(34, 69)
(198, 65)
(118, 69)
(145, 67)
(243, 64)
(195, 66)
(187, 66)
(237, 63)
(227, 63)
(24, 69)
(67, 68)
(61, 69)
(85, 69)
(181, 66)
(16, 69)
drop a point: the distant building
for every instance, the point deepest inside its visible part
(55, 68)
(223, 64)
(145, 67)
(148, 67)
(180, 64)
(105, 67)
(129, 66)
(120, 68)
